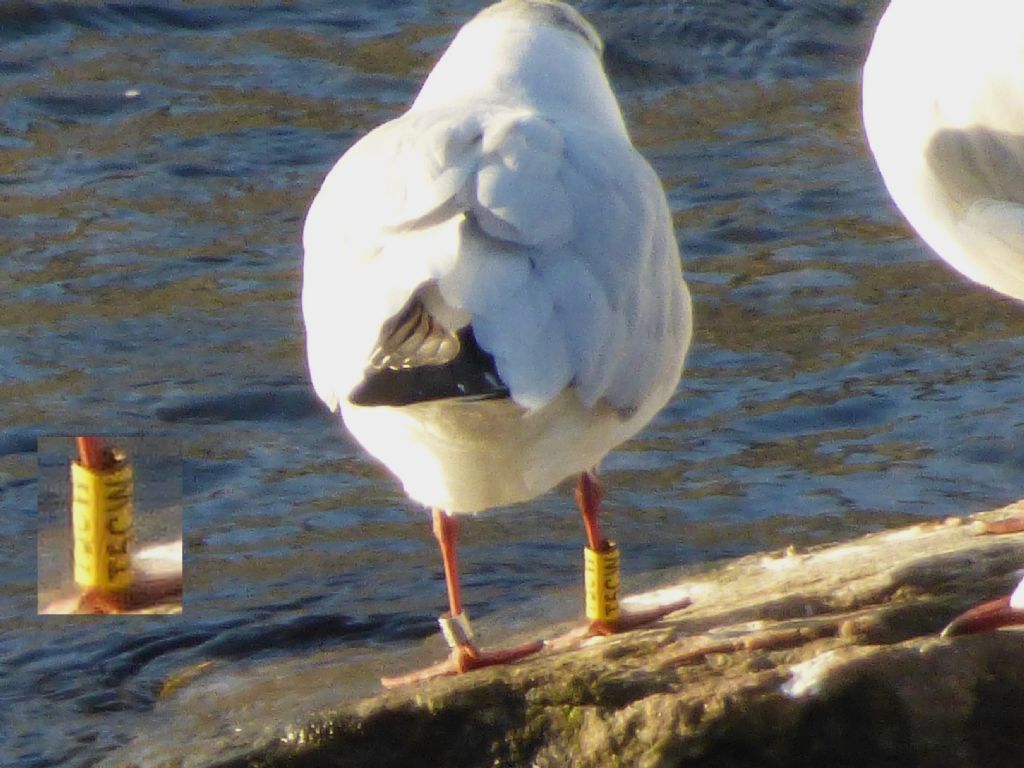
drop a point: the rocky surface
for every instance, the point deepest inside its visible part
(826, 657)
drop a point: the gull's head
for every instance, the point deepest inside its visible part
(538, 54)
(550, 12)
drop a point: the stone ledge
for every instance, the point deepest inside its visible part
(827, 657)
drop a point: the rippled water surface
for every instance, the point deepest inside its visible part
(155, 166)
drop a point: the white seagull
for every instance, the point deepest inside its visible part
(492, 289)
(944, 115)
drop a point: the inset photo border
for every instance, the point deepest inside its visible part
(110, 517)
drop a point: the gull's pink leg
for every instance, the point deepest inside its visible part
(588, 499)
(465, 655)
(1009, 525)
(994, 613)
(985, 617)
(92, 453)
(446, 531)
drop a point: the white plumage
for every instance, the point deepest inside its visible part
(508, 198)
(944, 114)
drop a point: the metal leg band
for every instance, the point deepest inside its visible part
(456, 629)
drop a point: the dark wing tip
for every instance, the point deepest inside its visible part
(417, 360)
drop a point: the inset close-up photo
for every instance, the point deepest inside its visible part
(110, 525)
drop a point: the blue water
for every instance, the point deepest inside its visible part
(156, 162)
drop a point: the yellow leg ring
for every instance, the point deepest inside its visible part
(601, 582)
(101, 513)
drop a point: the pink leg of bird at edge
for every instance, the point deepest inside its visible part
(465, 655)
(994, 613)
